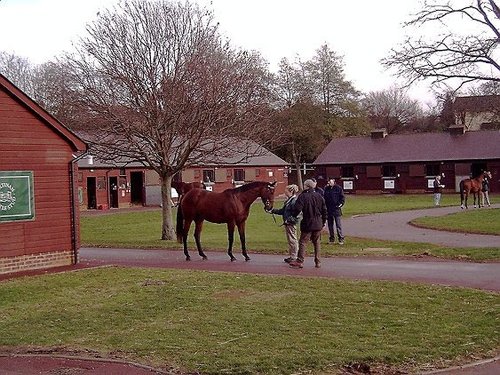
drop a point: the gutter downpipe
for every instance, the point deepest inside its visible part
(72, 164)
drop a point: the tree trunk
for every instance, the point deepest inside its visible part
(296, 162)
(168, 226)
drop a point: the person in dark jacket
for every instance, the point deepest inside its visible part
(334, 199)
(485, 193)
(313, 208)
(438, 188)
(289, 221)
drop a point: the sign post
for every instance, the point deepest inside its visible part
(17, 200)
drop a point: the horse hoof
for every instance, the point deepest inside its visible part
(188, 258)
(247, 259)
(204, 257)
(233, 259)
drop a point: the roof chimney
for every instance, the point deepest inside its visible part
(379, 133)
(456, 129)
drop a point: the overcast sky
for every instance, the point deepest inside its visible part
(361, 31)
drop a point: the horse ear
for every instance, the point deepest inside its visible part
(272, 185)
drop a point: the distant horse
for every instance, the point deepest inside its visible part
(183, 187)
(472, 186)
(231, 207)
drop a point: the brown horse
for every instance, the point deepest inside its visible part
(231, 207)
(183, 187)
(472, 186)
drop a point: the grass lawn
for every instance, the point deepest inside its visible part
(484, 220)
(218, 323)
(143, 230)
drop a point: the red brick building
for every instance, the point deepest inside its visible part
(39, 226)
(124, 184)
(408, 163)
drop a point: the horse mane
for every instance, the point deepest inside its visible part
(249, 186)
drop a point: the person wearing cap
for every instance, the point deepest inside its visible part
(313, 208)
(289, 221)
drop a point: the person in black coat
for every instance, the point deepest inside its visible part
(335, 199)
(313, 208)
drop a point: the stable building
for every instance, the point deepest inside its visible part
(408, 163)
(126, 183)
(39, 225)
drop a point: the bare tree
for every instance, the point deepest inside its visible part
(391, 109)
(454, 56)
(160, 86)
(17, 69)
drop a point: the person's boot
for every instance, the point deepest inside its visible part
(296, 264)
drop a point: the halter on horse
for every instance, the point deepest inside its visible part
(474, 186)
(232, 207)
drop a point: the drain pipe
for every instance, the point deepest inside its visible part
(72, 205)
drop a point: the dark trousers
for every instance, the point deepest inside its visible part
(338, 224)
(315, 238)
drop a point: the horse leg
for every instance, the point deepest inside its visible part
(197, 235)
(185, 231)
(241, 231)
(230, 238)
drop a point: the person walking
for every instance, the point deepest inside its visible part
(438, 188)
(485, 194)
(334, 199)
(289, 221)
(313, 208)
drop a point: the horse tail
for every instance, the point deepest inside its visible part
(461, 190)
(179, 227)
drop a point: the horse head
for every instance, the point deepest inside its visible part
(267, 195)
(487, 174)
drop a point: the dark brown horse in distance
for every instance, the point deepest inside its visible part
(472, 186)
(183, 187)
(232, 207)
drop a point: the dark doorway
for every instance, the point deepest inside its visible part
(113, 192)
(477, 169)
(91, 193)
(136, 188)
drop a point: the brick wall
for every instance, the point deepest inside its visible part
(36, 261)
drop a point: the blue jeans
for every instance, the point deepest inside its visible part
(338, 224)
(437, 199)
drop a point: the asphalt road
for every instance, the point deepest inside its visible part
(394, 226)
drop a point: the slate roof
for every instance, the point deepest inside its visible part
(266, 159)
(479, 145)
(483, 103)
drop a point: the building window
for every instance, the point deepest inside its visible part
(208, 175)
(432, 169)
(347, 171)
(389, 171)
(239, 175)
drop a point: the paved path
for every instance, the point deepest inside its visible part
(421, 270)
(394, 226)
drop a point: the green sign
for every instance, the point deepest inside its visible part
(16, 196)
